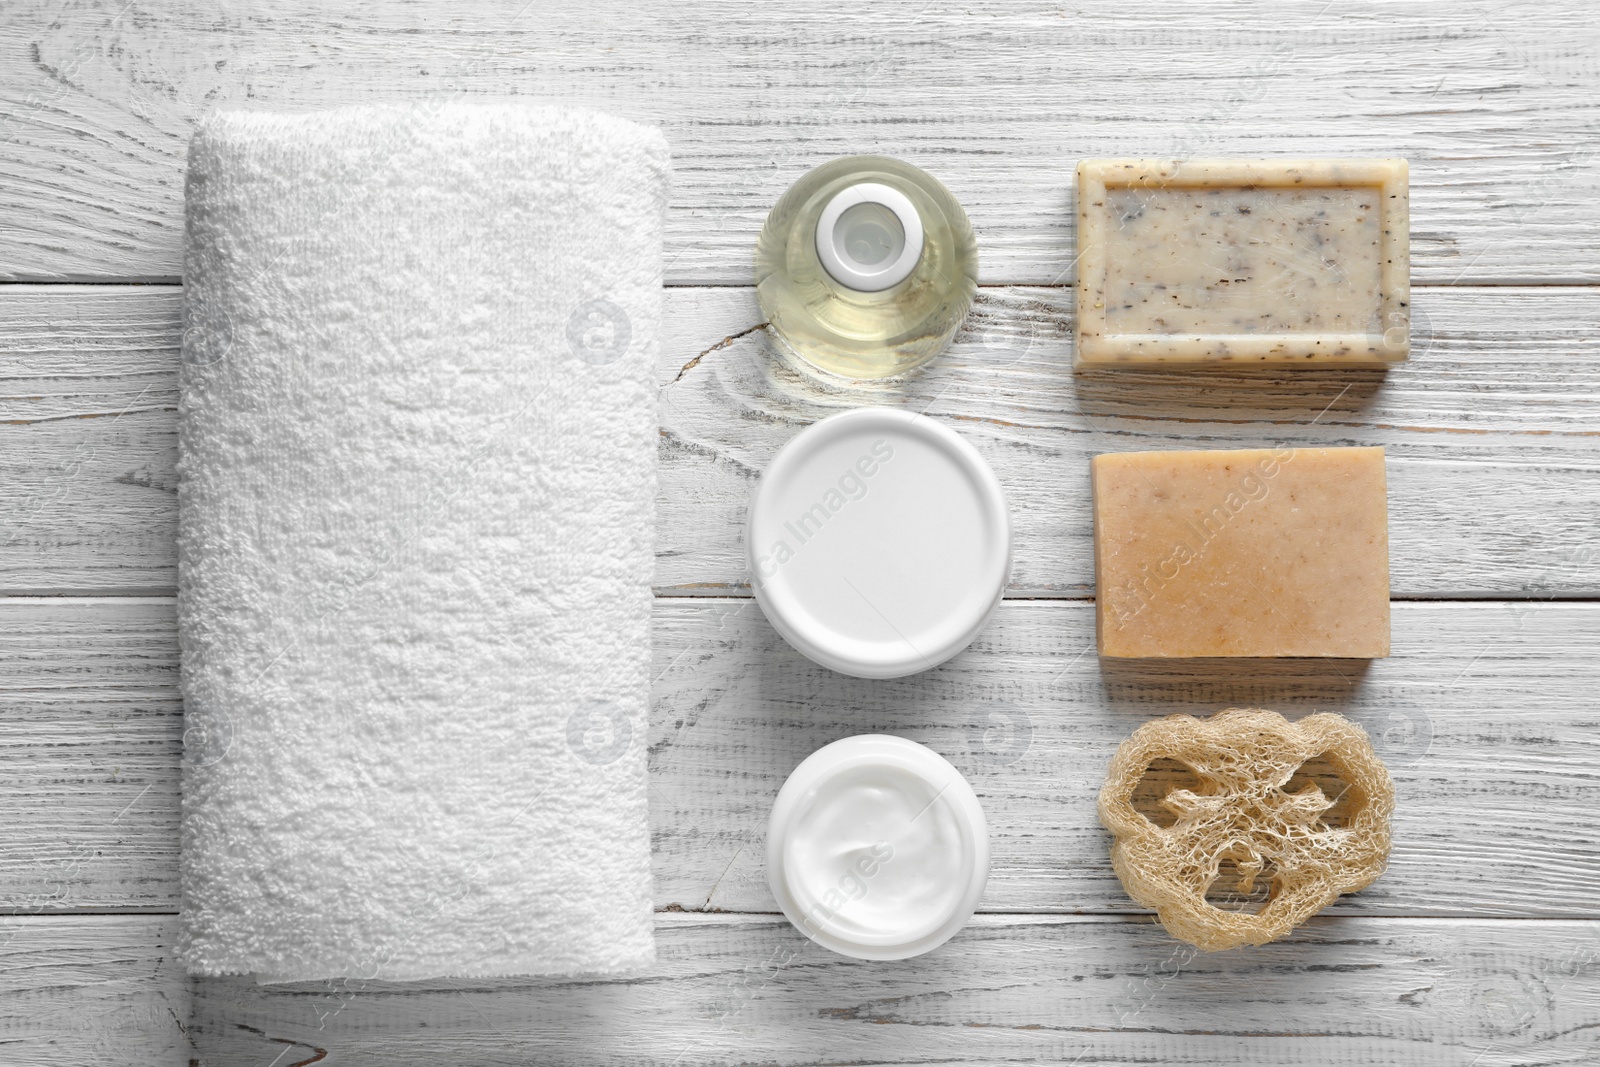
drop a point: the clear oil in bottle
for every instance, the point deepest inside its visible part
(865, 268)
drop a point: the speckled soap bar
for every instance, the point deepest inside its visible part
(1247, 552)
(1277, 261)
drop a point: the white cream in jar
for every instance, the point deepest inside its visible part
(877, 848)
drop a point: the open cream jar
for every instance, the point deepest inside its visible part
(877, 848)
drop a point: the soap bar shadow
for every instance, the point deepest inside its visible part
(1168, 390)
(1290, 685)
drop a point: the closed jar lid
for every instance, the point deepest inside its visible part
(877, 848)
(879, 543)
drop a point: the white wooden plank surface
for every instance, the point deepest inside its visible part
(738, 990)
(1485, 715)
(1496, 105)
(1493, 488)
(1493, 434)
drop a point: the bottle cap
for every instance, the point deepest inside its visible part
(869, 237)
(877, 848)
(879, 542)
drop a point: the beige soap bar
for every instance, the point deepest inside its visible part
(1278, 261)
(1256, 552)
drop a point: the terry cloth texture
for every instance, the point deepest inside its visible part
(416, 498)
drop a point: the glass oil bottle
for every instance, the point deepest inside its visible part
(865, 268)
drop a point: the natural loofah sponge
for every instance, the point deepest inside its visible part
(1241, 812)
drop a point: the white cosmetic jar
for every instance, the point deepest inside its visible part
(879, 543)
(877, 848)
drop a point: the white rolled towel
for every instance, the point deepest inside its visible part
(416, 505)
